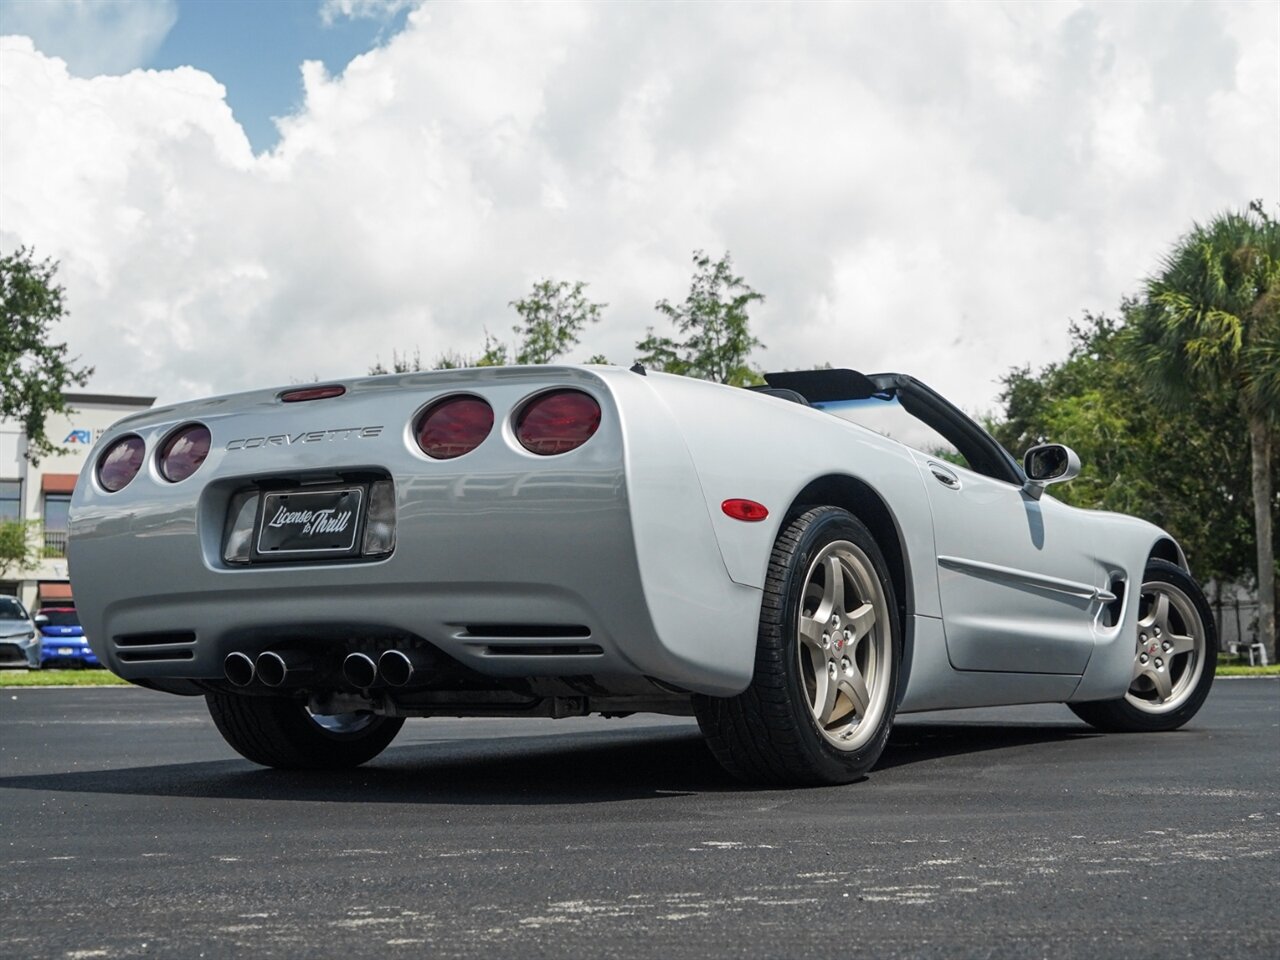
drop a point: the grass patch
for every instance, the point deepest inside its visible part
(1244, 670)
(60, 678)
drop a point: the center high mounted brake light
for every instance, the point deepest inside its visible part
(313, 393)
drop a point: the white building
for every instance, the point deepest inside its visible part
(43, 493)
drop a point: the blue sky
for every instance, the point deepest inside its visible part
(253, 47)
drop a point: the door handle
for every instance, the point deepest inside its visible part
(944, 476)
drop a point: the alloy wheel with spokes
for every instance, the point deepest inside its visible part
(844, 649)
(1170, 649)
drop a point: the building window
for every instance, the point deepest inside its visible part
(56, 508)
(10, 500)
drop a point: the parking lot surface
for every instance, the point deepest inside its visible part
(132, 830)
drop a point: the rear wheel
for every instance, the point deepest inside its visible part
(1175, 657)
(823, 694)
(279, 732)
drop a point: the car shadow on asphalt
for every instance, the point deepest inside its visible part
(920, 742)
(582, 768)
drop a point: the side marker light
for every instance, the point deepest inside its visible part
(746, 510)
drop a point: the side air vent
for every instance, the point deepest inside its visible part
(147, 647)
(154, 639)
(1112, 612)
(545, 650)
(525, 631)
(145, 656)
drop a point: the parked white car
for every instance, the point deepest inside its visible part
(323, 561)
(19, 638)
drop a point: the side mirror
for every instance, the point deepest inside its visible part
(40, 620)
(1046, 464)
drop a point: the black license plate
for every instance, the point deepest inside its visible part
(310, 524)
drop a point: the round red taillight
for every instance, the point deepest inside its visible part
(453, 427)
(184, 451)
(120, 463)
(557, 422)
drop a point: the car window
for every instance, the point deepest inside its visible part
(11, 609)
(885, 415)
(61, 618)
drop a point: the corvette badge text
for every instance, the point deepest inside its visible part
(310, 436)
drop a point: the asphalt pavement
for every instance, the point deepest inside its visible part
(131, 830)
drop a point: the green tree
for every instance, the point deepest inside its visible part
(1210, 326)
(714, 324)
(400, 363)
(34, 370)
(494, 354)
(1183, 468)
(553, 316)
(19, 546)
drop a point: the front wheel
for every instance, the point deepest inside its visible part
(279, 732)
(1175, 657)
(823, 694)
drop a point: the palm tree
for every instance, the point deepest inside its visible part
(1211, 322)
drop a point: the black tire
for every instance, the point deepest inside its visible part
(1131, 714)
(769, 733)
(279, 732)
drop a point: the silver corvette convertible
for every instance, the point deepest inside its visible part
(793, 565)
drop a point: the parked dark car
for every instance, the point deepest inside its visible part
(62, 642)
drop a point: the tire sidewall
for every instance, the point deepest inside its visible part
(822, 527)
(279, 732)
(1163, 571)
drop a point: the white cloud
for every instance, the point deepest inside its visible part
(333, 10)
(93, 36)
(934, 189)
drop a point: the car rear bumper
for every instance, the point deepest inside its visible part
(71, 650)
(512, 564)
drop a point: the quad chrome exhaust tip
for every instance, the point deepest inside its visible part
(275, 668)
(239, 669)
(399, 668)
(278, 668)
(360, 670)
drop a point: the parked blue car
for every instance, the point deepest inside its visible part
(62, 641)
